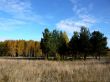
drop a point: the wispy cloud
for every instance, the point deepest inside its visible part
(20, 12)
(70, 25)
(88, 19)
(83, 18)
(9, 24)
(83, 12)
(15, 6)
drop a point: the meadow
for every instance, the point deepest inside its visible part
(54, 71)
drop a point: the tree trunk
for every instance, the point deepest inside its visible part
(84, 56)
(62, 57)
(75, 55)
(99, 56)
(46, 56)
(96, 57)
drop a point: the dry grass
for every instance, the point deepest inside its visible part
(53, 71)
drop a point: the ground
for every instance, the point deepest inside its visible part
(54, 71)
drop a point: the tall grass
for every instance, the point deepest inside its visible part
(53, 71)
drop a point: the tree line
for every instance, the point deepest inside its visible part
(81, 45)
(15, 48)
(56, 44)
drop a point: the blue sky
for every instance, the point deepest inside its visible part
(26, 19)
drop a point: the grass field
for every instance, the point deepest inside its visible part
(53, 71)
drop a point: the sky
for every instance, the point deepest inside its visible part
(27, 19)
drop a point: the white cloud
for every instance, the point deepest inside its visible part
(15, 6)
(78, 9)
(83, 16)
(20, 12)
(69, 25)
(9, 24)
(88, 19)
(83, 12)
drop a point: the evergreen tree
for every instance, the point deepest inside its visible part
(84, 42)
(45, 42)
(74, 44)
(63, 44)
(99, 43)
